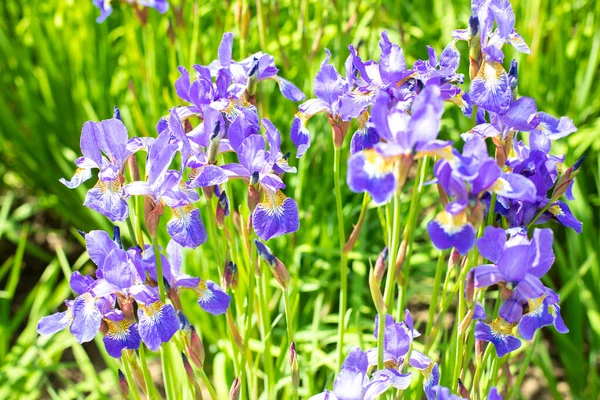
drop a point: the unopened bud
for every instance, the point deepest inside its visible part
(126, 305)
(474, 47)
(116, 113)
(294, 367)
(184, 323)
(338, 131)
(454, 258)
(374, 286)
(134, 169)
(188, 368)
(253, 77)
(470, 288)
(464, 324)
(152, 213)
(279, 270)
(173, 295)
(196, 349)
(462, 390)
(253, 198)
(380, 265)
(103, 327)
(513, 78)
(123, 384)
(477, 213)
(237, 338)
(214, 143)
(479, 348)
(230, 276)
(564, 181)
(222, 209)
(400, 259)
(234, 392)
(187, 126)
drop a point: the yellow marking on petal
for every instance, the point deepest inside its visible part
(231, 111)
(273, 202)
(501, 185)
(403, 81)
(362, 97)
(118, 329)
(490, 73)
(501, 326)
(362, 120)
(535, 305)
(451, 224)
(555, 210)
(303, 117)
(183, 213)
(376, 165)
(202, 291)
(152, 309)
(113, 186)
(444, 152)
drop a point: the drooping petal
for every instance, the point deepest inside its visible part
(499, 333)
(490, 89)
(86, 318)
(51, 324)
(210, 175)
(522, 115)
(121, 335)
(561, 212)
(556, 128)
(186, 226)
(81, 175)
(211, 298)
(517, 187)
(537, 317)
(106, 197)
(289, 90)
(158, 323)
(277, 215)
(369, 172)
(382, 380)
(447, 230)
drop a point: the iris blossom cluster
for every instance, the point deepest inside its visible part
(162, 6)
(126, 281)
(123, 301)
(353, 381)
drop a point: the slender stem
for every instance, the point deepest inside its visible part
(344, 259)
(288, 315)
(492, 210)
(129, 377)
(478, 371)
(436, 290)
(515, 388)
(266, 328)
(159, 271)
(209, 386)
(150, 389)
(539, 214)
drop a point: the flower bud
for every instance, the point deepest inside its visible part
(479, 344)
(184, 323)
(237, 338)
(152, 213)
(126, 305)
(454, 258)
(187, 126)
(214, 143)
(470, 288)
(564, 181)
(474, 47)
(222, 208)
(279, 270)
(196, 349)
(103, 327)
(464, 324)
(338, 131)
(294, 367)
(513, 78)
(234, 392)
(230, 276)
(462, 390)
(188, 368)
(253, 77)
(253, 198)
(476, 216)
(380, 265)
(400, 259)
(134, 169)
(374, 286)
(123, 385)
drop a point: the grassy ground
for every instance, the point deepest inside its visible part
(58, 69)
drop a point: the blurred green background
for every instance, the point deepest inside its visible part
(59, 68)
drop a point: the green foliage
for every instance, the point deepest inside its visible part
(58, 69)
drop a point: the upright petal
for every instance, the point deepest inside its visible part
(81, 175)
(491, 245)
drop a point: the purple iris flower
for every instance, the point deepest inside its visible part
(121, 333)
(430, 372)
(518, 262)
(329, 87)
(543, 311)
(352, 382)
(499, 333)
(211, 298)
(396, 342)
(276, 214)
(466, 178)
(406, 135)
(164, 186)
(105, 146)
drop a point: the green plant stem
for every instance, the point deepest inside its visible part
(159, 271)
(515, 388)
(436, 290)
(128, 375)
(209, 386)
(492, 211)
(150, 388)
(288, 315)
(343, 256)
(266, 328)
(479, 370)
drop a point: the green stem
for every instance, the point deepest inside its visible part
(209, 386)
(150, 389)
(436, 290)
(515, 388)
(159, 271)
(539, 214)
(266, 327)
(492, 211)
(344, 259)
(479, 370)
(132, 388)
(288, 315)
